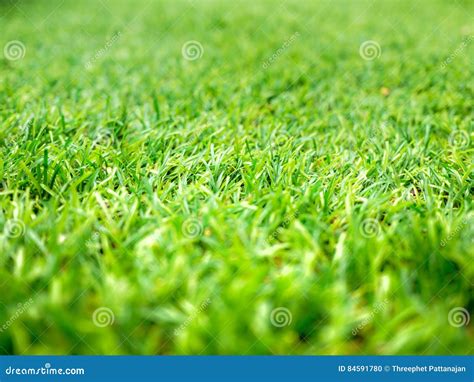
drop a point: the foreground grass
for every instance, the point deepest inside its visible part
(282, 193)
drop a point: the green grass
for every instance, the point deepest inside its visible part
(281, 194)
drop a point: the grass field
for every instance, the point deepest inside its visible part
(236, 177)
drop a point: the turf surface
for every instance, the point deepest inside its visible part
(236, 177)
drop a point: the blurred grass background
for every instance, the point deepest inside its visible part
(220, 205)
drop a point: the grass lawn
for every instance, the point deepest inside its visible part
(236, 177)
